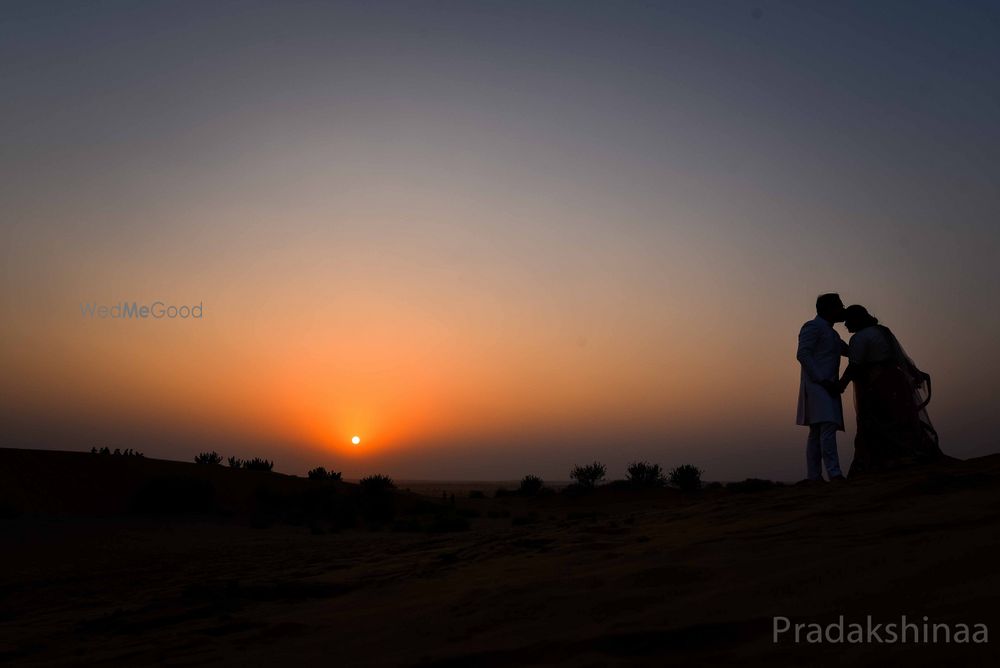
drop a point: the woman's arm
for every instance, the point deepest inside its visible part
(856, 355)
(848, 376)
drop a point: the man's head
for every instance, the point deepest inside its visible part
(829, 307)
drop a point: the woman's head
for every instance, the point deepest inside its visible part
(857, 317)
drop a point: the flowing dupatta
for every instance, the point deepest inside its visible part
(919, 381)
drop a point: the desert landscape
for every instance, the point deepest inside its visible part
(445, 334)
(109, 561)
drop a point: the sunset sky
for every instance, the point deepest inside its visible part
(489, 238)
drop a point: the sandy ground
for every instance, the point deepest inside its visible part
(614, 578)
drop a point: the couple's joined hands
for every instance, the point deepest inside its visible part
(835, 388)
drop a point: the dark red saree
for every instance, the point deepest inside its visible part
(891, 400)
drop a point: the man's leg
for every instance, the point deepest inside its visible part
(814, 469)
(828, 444)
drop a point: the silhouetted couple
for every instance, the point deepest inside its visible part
(890, 394)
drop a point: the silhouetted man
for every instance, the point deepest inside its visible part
(820, 349)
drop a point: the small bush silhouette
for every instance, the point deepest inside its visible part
(644, 474)
(118, 451)
(686, 477)
(589, 475)
(476, 494)
(530, 485)
(320, 473)
(377, 502)
(377, 483)
(204, 458)
(258, 464)
(235, 463)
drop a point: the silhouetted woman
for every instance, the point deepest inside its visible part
(890, 396)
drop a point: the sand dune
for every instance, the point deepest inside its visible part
(613, 578)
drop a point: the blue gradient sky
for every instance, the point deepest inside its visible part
(489, 237)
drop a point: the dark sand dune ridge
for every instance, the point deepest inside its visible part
(617, 577)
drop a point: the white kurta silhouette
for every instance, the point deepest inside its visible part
(820, 349)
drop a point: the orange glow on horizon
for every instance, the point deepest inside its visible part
(457, 375)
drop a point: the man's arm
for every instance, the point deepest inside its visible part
(808, 337)
(848, 376)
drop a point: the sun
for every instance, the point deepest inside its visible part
(355, 440)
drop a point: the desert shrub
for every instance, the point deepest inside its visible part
(377, 503)
(530, 485)
(686, 477)
(377, 483)
(320, 473)
(235, 463)
(644, 474)
(476, 494)
(203, 458)
(258, 464)
(589, 475)
(713, 485)
(128, 452)
(752, 485)
(501, 493)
